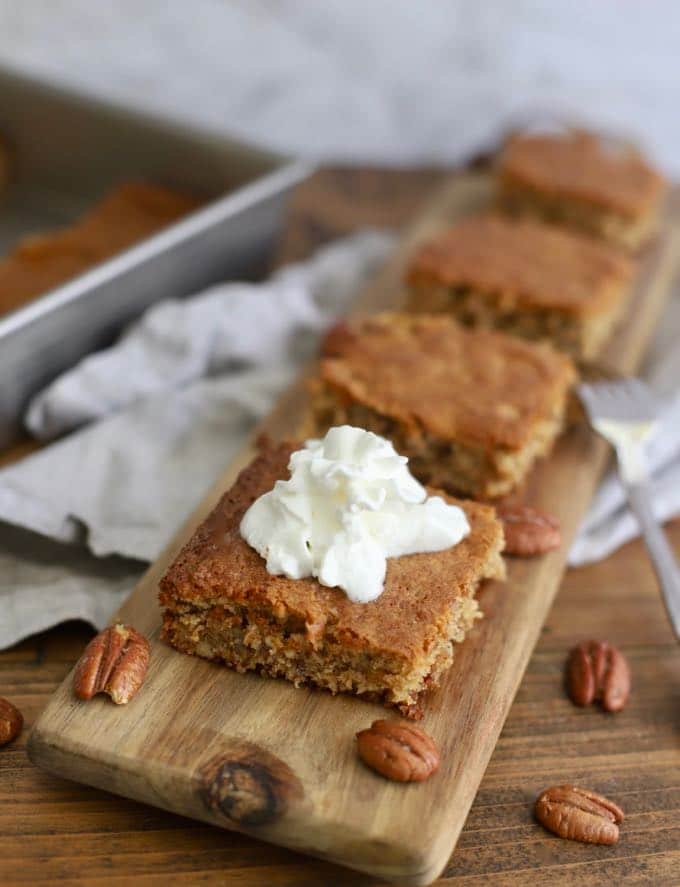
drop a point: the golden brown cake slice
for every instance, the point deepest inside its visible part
(472, 409)
(581, 180)
(220, 602)
(524, 277)
(130, 213)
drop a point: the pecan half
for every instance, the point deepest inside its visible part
(579, 814)
(11, 721)
(528, 531)
(114, 662)
(398, 751)
(336, 339)
(597, 671)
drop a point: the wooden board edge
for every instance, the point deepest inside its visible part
(409, 864)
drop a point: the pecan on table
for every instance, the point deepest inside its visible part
(114, 662)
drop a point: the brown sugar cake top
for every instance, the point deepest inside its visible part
(580, 165)
(431, 374)
(217, 565)
(528, 263)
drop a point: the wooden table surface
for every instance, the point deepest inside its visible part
(55, 830)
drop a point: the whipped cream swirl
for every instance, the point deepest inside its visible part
(350, 503)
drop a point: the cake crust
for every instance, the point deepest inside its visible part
(219, 601)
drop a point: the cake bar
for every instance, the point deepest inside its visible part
(594, 184)
(219, 602)
(524, 277)
(472, 409)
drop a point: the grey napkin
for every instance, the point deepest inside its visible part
(153, 420)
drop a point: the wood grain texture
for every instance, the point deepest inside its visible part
(61, 830)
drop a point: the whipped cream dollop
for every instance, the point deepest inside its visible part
(350, 503)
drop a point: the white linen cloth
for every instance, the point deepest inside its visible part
(156, 417)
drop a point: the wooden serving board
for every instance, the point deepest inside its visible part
(259, 756)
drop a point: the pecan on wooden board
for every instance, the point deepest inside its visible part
(398, 751)
(114, 662)
(527, 530)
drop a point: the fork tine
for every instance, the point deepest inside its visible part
(642, 391)
(642, 398)
(627, 400)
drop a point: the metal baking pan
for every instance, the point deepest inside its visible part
(68, 150)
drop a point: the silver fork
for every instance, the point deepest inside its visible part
(626, 414)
